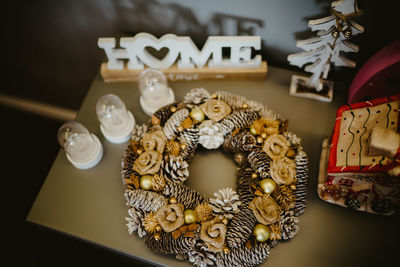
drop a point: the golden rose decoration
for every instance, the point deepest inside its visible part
(148, 162)
(283, 171)
(154, 141)
(213, 234)
(215, 109)
(276, 146)
(265, 209)
(266, 125)
(170, 217)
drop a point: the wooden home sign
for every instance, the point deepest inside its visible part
(180, 59)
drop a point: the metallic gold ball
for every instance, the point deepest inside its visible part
(225, 221)
(214, 95)
(172, 200)
(157, 237)
(264, 135)
(261, 232)
(260, 140)
(293, 186)
(197, 115)
(139, 151)
(268, 185)
(155, 120)
(190, 216)
(245, 106)
(158, 228)
(254, 175)
(180, 128)
(183, 146)
(226, 250)
(146, 182)
(173, 109)
(253, 130)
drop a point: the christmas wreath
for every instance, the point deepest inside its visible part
(235, 228)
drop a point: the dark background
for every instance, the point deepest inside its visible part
(50, 55)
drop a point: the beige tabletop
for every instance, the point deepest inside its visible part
(89, 204)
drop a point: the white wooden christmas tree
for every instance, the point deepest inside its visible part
(333, 34)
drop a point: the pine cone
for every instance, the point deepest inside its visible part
(244, 183)
(164, 113)
(158, 182)
(138, 132)
(145, 200)
(275, 231)
(237, 120)
(170, 127)
(226, 203)
(293, 139)
(243, 256)
(169, 245)
(196, 96)
(203, 212)
(288, 224)
(201, 256)
(176, 168)
(301, 161)
(284, 196)
(235, 101)
(128, 159)
(135, 222)
(260, 162)
(189, 137)
(183, 194)
(241, 227)
(240, 142)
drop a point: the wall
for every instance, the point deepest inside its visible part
(50, 52)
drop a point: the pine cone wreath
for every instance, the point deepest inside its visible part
(226, 203)
(135, 222)
(176, 168)
(243, 256)
(145, 200)
(288, 224)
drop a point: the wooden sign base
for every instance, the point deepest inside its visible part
(175, 74)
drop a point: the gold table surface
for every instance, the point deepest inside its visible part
(89, 204)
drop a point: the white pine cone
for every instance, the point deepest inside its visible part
(196, 96)
(177, 168)
(288, 224)
(210, 135)
(170, 127)
(201, 256)
(138, 132)
(135, 219)
(226, 203)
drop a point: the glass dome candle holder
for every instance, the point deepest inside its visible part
(116, 122)
(154, 90)
(82, 148)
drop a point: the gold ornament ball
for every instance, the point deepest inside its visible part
(172, 200)
(254, 175)
(214, 96)
(158, 228)
(173, 109)
(157, 237)
(253, 130)
(268, 185)
(260, 140)
(190, 216)
(225, 221)
(245, 106)
(146, 182)
(264, 136)
(261, 232)
(139, 151)
(197, 115)
(180, 128)
(226, 250)
(293, 186)
(183, 146)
